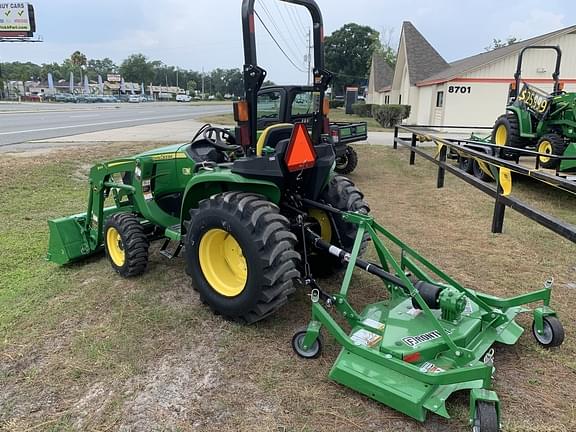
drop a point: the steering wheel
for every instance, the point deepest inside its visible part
(218, 137)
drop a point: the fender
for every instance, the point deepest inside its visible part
(208, 183)
(523, 120)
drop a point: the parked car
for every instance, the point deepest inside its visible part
(109, 99)
(62, 97)
(183, 98)
(134, 99)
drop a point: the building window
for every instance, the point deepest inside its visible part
(399, 99)
(440, 99)
(387, 99)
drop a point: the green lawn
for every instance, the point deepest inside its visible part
(83, 349)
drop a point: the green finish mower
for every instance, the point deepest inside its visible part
(257, 216)
(536, 119)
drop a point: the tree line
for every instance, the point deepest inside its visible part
(136, 68)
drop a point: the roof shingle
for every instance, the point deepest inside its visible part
(423, 60)
(462, 66)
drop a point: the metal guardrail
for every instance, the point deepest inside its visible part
(496, 191)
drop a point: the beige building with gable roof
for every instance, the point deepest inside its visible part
(468, 92)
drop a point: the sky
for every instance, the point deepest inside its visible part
(206, 34)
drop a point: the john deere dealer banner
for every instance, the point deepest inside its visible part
(14, 17)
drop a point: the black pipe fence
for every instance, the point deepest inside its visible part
(470, 149)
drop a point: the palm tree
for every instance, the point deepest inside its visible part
(78, 59)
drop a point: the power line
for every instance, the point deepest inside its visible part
(280, 33)
(281, 14)
(297, 19)
(277, 44)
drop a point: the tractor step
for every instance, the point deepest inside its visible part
(166, 253)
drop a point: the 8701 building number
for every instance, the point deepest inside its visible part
(460, 89)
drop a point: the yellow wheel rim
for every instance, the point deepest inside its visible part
(115, 246)
(501, 135)
(324, 222)
(222, 262)
(545, 146)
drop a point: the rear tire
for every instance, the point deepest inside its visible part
(551, 144)
(240, 255)
(348, 162)
(506, 133)
(126, 244)
(342, 194)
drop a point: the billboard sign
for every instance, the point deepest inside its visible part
(17, 19)
(113, 78)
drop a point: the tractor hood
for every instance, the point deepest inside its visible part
(161, 150)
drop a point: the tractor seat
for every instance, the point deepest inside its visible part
(272, 135)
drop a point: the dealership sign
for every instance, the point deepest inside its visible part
(16, 19)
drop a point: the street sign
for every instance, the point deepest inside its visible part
(113, 78)
(17, 19)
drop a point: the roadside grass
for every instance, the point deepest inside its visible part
(336, 115)
(82, 349)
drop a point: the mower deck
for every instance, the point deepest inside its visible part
(428, 339)
(394, 330)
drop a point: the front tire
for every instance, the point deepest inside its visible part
(552, 144)
(240, 255)
(126, 244)
(348, 162)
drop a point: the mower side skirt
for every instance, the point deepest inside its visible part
(378, 382)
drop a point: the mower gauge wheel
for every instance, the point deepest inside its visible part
(312, 352)
(485, 418)
(552, 335)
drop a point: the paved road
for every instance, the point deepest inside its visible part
(27, 122)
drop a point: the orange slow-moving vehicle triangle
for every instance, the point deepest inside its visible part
(300, 154)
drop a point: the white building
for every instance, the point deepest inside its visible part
(468, 92)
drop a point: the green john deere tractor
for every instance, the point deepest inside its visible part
(232, 200)
(536, 119)
(256, 214)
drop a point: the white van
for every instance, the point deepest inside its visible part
(183, 98)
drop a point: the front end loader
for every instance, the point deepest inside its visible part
(255, 214)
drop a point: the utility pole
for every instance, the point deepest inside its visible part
(310, 56)
(203, 83)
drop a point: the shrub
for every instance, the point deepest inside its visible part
(390, 115)
(363, 109)
(336, 104)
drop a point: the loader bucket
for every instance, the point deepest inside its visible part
(67, 241)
